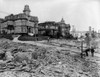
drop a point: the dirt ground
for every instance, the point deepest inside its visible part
(57, 58)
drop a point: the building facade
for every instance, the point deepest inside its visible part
(53, 28)
(24, 23)
(20, 23)
(48, 28)
(65, 28)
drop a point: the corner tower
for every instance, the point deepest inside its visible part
(26, 10)
(62, 20)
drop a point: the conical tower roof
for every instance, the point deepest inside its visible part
(62, 20)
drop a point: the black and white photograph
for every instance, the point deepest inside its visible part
(49, 38)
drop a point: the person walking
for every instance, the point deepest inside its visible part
(93, 46)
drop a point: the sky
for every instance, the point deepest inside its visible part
(80, 13)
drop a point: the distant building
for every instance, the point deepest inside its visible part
(73, 32)
(52, 28)
(80, 33)
(20, 23)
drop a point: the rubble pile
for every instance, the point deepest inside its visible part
(26, 60)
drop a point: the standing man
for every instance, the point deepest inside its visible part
(87, 41)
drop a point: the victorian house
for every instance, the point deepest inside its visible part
(53, 28)
(48, 28)
(65, 28)
(20, 23)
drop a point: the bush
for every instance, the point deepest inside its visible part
(32, 38)
(7, 36)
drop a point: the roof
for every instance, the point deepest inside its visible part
(21, 16)
(62, 20)
(49, 23)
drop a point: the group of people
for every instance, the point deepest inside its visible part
(90, 46)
